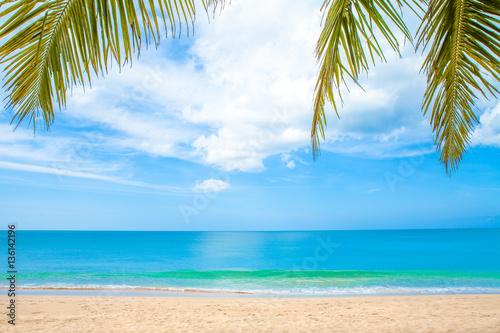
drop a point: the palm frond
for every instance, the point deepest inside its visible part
(463, 59)
(52, 45)
(346, 47)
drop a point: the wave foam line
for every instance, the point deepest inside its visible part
(293, 291)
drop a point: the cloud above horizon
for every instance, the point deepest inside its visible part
(211, 185)
(237, 93)
(488, 132)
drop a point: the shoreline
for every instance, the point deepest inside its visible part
(193, 292)
(416, 313)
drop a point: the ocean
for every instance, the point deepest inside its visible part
(282, 263)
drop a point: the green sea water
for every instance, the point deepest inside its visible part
(263, 263)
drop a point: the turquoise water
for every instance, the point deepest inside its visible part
(279, 263)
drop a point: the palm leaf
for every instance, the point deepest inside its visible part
(463, 59)
(346, 47)
(52, 45)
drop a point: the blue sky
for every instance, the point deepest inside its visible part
(212, 133)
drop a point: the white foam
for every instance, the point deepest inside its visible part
(313, 291)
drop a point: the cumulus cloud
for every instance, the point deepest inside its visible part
(263, 67)
(211, 185)
(241, 91)
(288, 161)
(488, 132)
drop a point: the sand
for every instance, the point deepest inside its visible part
(451, 313)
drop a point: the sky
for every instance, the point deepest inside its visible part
(212, 132)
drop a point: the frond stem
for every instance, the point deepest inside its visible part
(52, 33)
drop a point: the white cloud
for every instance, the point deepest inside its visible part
(211, 185)
(287, 159)
(70, 173)
(263, 64)
(244, 94)
(488, 132)
(22, 145)
(291, 165)
(243, 91)
(74, 153)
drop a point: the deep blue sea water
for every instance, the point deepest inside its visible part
(281, 263)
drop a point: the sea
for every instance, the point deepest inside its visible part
(281, 263)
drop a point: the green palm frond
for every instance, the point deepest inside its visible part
(52, 45)
(463, 59)
(346, 47)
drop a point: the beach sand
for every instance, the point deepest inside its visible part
(450, 313)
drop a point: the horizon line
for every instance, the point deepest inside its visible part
(294, 230)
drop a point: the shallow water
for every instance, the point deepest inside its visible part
(266, 263)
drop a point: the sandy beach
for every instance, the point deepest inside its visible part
(450, 313)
